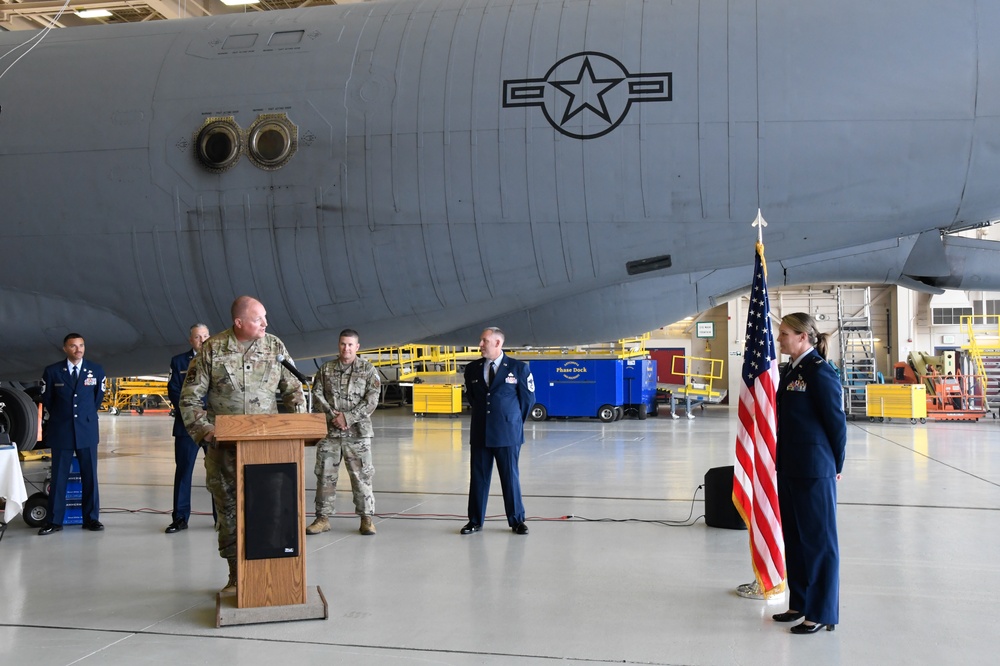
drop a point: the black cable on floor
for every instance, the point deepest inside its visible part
(686, 522)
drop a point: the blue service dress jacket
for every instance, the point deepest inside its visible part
(812, 428)
(500, 410)
(178, 370)
(72, 408)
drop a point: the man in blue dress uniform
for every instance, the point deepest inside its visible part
(72, 393)
(185, 450)
(501, 392)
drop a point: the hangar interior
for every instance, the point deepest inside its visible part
(619, 566)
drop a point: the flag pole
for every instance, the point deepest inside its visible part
(755, 477)
(760, 223)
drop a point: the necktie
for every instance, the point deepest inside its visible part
(75, 375)
(493, 371)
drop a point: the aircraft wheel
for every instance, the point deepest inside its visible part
(606, 413)
(538, 413)
(18, 417)
(36, 510)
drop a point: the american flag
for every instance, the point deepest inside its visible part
(755, 489)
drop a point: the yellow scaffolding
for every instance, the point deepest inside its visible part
(984, 350)
(138, 395)
(623, 349)
(416, 362)
(697, 386)
(702, 388)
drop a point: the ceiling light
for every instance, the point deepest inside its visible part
(239, 2)
(93, 13)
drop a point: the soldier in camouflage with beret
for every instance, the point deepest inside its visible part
(237, 372)
(347, 390)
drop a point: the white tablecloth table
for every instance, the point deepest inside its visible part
(11, 484)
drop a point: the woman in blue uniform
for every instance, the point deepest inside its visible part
(812, 435)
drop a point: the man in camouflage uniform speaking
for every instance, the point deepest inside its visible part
(237, 372)
(347, 390)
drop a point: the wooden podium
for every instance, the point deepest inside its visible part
(271, 582)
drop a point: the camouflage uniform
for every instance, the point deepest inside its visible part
(352, 390)
(233, 378)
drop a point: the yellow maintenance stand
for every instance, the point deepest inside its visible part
(137, 394)
(431, 372)
(698, 388)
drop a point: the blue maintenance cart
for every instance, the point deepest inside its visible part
(574, 387)
(605, 388)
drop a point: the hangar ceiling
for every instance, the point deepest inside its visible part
(37, 14)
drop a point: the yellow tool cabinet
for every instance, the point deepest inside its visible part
(437, 398)
(886, 402)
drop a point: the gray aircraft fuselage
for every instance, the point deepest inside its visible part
(570, 171)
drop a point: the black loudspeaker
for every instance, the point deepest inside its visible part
(271, 511)
(719, 508)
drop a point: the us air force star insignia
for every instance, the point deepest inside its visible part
(531, 383)
(587, 94)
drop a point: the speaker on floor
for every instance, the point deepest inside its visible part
(719, 508)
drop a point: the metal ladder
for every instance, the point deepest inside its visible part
(984, 351)
(857, 346)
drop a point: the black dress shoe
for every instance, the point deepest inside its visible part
(787, 616)
(176, 526)
(93, 525)
(470, 528)
(811, 628)
(49, 529)
(520, 528)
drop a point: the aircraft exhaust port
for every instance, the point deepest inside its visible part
(272, 140)
(219, 143)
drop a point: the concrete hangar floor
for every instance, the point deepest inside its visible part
(919, 519)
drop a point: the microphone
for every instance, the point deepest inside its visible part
(292, 369)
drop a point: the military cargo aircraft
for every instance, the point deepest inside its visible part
(570, 171)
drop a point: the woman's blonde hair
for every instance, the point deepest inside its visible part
(802, 322)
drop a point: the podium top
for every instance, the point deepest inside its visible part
(259, 427)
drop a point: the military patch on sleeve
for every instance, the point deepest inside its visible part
(531, 382)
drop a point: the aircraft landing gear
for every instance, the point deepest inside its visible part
(18, 416)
